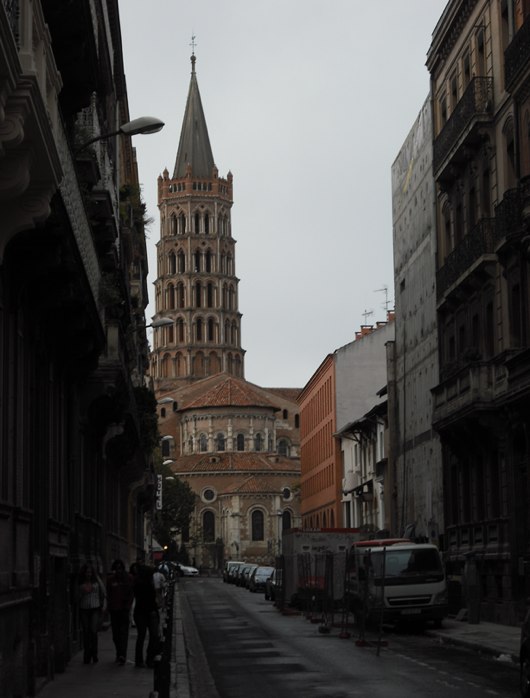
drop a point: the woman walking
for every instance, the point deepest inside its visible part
(91, 601)
(119, 601)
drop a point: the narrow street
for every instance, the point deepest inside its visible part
(246, 647)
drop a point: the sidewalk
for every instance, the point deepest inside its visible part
(106, 679)
(499, 641)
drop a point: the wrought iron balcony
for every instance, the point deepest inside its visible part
(475, 106)
(511, 212)
(517, 57)
(477, 243)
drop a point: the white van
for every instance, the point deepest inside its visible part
(396, 580)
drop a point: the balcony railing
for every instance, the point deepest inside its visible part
(475, 104)
(510, 213)
(517, 56)
(13, 12)
(478, 242)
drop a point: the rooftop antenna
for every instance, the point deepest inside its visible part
(385, 291)
(366, 315)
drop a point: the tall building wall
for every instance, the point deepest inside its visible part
(417, 456)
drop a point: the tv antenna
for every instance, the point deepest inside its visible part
(384, 290)
(366, 315)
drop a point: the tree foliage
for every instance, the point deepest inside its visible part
(178, 502)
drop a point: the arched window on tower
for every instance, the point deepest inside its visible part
(240, 442)
(238, 371)
(208, 526)
(208, 261)
(181, 297)
(172, 263)
(203, 443)
(198, 294)
(227, 332)
(258, 529)
(196, 223)
(209, 295)
(198, 330)
(180, 365)
(258, 442)
(234, 333)
(197, 261)
(286, 521)
(220, 225)
(220, 442)
(211, 329)
(231, 296)
(173, 225)
(182, 224)
(180, 329)
(206, 224)
(229, 265)
(181, 260)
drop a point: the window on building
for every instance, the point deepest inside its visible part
(258, 528)
(198, 294)
(220, 442)
(172, 263)
(180, 329)
(211, 329)
(203, 443)
(206, 224)
(285, 414)
(286, 521)
(453, 91)
(258, 442)
(181, 262)
(283, 447)
(182, 224)
(481, 54)
(196, 224)
(466, 70)
(240, 442)
(208, 526)
(209, 295)
(297, 421)
(198, 329)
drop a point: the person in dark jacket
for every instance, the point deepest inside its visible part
(91, 596)
(146, 616)
(120, 596)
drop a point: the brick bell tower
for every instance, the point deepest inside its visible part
(196, 286)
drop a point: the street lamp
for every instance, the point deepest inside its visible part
(144, 124)
(163, 322)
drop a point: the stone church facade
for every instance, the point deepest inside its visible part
(235, 443)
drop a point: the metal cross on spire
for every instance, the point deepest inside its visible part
(193, 44)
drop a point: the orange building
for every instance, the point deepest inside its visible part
(321, 469)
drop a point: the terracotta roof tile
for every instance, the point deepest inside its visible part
(234, 462)
(230, 392)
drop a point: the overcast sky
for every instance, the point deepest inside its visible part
(307, 103)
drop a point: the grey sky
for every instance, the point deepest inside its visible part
(307, 104)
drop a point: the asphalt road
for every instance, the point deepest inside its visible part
(240, 646)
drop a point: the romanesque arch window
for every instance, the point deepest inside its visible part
(220, 442)
(223, 263)
(196, 223)
(180, 365)
(181, 296)
(215, 363)
(283, 447)
(206, 224)
(209, 295)
(166, 364)
(197, 261)
(199, 364)
(285, 414)
(224, 296)
(231, 296)
(180, 329)
(234, 333)
(220, 227)
(211, 330)
(198, 294)
(172, 263)
(227, 331)
(181, 261)
(297, 421)
(240, 442)
(286, 520)
(208, 261)
(199, 329)
(203, 443)
(229, 363)
(257, 524)
(172, 225)
(229, 265)
(208, 526)
(258, 442)
(182, 224)
(170, 303)
(238, 371)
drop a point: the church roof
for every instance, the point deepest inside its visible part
(230, 392)
(194, 145)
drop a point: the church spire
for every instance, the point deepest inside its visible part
(194, 145)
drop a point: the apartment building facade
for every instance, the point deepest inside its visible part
(479, 66)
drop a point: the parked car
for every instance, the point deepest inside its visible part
(272, 585)
(188, 571)
(258, 578)
(244, 572)
(229, 570)
(524, 657)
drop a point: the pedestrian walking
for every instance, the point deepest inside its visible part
(146, 616)
(119, 601)
(91, 605)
